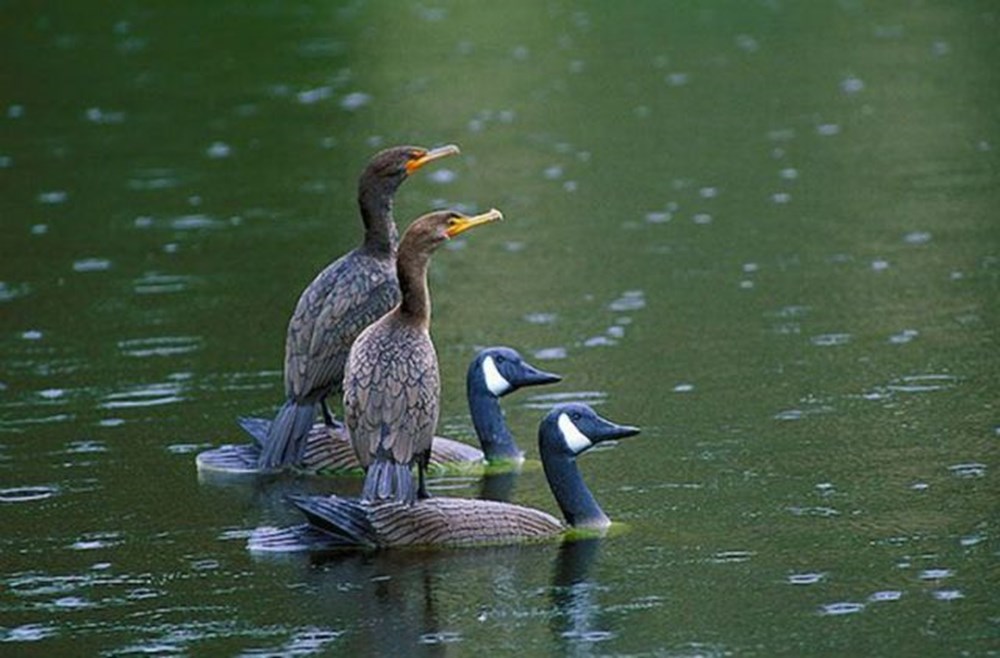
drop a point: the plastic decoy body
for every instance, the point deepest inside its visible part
(493, 373)
(566, 432)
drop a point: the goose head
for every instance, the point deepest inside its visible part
(498, 371)
(573, 428)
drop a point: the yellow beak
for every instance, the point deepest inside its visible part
(463, 224)
(431, 156)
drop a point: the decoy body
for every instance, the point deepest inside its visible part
(391, 381)
(492, 374)
(567, 431)
(343, 299)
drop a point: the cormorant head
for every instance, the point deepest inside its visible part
(391, 166)
(429, 231)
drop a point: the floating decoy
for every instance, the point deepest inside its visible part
(391, 381)
(568, 430)
(348, 295)
(492, 374)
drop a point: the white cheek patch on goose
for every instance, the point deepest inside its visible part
(495, 382)
(575, 440)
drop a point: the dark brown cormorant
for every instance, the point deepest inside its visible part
(567, 431)
(353, 291)
(391, 382)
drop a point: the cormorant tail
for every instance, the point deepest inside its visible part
(257, 428)
(343, 519)
(388, 480)
(286, 441)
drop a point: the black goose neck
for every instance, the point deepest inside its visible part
(491, 428)
(578, 505)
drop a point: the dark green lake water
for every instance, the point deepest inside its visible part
(765, 232)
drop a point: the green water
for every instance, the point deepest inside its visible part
(765, 232)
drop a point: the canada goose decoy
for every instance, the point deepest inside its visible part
(567, 431)
(349, 294)
(391, 381)
(492, 374)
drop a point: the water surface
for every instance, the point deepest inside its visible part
(763, 232)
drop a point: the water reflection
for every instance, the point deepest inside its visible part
(574, 595)
(393, 601)
(499, 486)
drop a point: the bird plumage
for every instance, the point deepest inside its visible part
(341, 300)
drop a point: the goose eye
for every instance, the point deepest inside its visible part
(575, 415)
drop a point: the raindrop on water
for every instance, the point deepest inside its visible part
(355, 101)
(851, 85)
(845, 608)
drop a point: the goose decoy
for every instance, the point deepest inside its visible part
(566, 431)
(349, 294)
(391, 381)
(492, 374)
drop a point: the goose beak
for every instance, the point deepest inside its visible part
(463, 224)
(605, 430)
(431, 156)
(532, 376)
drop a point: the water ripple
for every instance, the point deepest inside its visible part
(630, 300)
(841, 608)
(315, 95)
(885, 595)
(550, 353)
(540, 318)
(153, 179)
(588, 636)
(156, 283)
(96, 540)
(85, 446)
(160, 346)
(726, 557)
(91, 265)
(194, 222)
(947, 595)
(304, 642)
(440, 637)
(27, 633)
(969, 470)
(149, 395)
(822, 512)
(549, 400)
(27, 494)
(9, 292)
(806, 578)
(922, 383)
(15, 425)
(830, 340)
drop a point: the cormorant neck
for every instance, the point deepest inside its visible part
(375, 201)
(487, 417)
(411, 268)
(578, 505)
